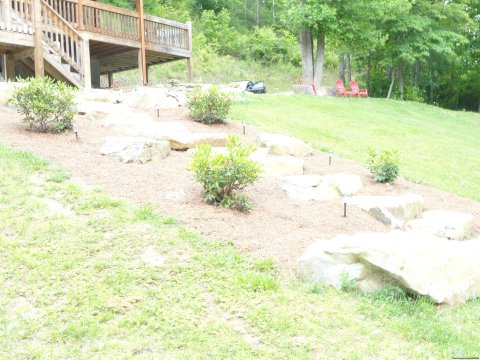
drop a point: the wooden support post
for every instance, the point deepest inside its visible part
(190, 47)
(87, 71)
(9, 67)
(110, 79)
(38, 36)
(142, 57)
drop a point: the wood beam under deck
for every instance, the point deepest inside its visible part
(128, 61)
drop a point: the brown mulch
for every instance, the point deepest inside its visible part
(277, 227)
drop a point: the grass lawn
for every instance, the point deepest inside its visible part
(438, 147)
(74, 286)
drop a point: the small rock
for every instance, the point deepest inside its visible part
(283, 145)
(53, 207)
(152, 257)
(178, 195)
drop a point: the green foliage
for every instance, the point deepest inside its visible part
(223, 175)
(413, 93)
(258, 282)
(384, 165)
(268, 47)
(46, 105)
(208, 106)
(347, 284)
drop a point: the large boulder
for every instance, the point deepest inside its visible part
(186, 140)
(321, 187)
(6, 91)
(101, 95)
(391, 210)
(446, 271)
(108, 112)
(447, 224)
(344, 183)
(283, 145)
(320, 193)
(150, 98)
(277, 166)
(135, 149)
(304, 181)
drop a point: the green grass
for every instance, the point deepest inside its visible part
(74, 286)
(438, 147)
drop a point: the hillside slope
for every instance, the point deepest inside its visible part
(438, 147)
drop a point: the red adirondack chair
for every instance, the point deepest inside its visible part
(341, 91)
(356, 91)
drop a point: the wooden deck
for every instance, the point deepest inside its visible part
(79, 40)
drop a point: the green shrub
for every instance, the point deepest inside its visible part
(413, 93)
(224, 174)
(46, 105)
(384, 165)
(209, 106)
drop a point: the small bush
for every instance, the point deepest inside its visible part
(223, 175)
(384, 165)
(46, 105)
(210, 106)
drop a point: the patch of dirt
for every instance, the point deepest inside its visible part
(277, 227)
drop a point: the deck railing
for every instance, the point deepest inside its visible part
(61, 36)
(110, 20)
(17, 15)
(165, 32)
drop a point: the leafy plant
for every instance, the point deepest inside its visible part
(224, 174)
(46, 105)
(209, 106)
(384, 164)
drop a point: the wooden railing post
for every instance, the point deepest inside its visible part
(190, 47)
(38, 38)
(80, 14)
(87, 72)
(6, 9)
(142, 57)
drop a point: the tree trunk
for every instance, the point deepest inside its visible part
(341, 67)
(257, 13)
(400, 79)
(306, 48)
(349, 70)
(318, 71)
(431, 84)
(392, 77)
(416, 79)
(369, 70)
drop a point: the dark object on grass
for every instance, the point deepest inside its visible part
(256, 87)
